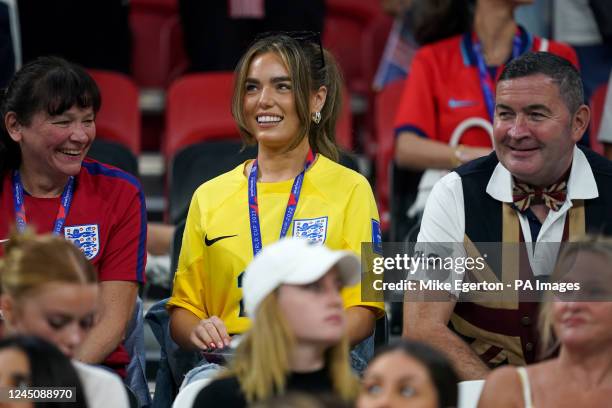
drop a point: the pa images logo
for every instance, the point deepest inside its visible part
(85, 237)
(314, 229)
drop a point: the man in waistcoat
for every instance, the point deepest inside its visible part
(537, 187)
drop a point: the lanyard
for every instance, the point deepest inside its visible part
(294, 196)
(486, 82)
(62, 212)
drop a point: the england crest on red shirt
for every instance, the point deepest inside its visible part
(85, 237)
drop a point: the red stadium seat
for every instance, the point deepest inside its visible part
(198, 108)
(598, 101)
(386, 104)
(158, 54)
(119, 117)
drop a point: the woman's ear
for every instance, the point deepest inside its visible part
(12, 125)
(317, 100)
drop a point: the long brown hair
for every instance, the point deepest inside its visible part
(309, 70)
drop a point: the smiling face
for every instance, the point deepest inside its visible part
(396, 379)
(534, 131)
(580, 323)
(314, 312)
(54, 146)
(62, 313)
(269, 102)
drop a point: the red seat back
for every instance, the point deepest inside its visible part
(198, 107)
(158, 54)
(119, 117)
(598, 101)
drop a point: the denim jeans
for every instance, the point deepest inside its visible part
(134, 344)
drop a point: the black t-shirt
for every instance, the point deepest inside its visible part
(226, 392)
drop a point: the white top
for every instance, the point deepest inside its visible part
(102, 388)
(444, 216)
(525, 386)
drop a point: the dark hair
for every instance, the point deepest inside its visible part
(309, 70)
(49, 367)
(442, 374)
(434, 20)
(46, 84)
(560, 70)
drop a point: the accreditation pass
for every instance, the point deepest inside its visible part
(38, 394)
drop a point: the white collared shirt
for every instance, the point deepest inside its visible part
(444, 215)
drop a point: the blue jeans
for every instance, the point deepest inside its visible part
(134, 343)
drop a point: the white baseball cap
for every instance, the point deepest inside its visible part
(293, 261)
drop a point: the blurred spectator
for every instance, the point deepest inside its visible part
(46, 182)
(583, 24)
(32, 362)
(578, 323)
(298, 338)
(49, 289)
(92, 33)
(408, 374)
(218, 32)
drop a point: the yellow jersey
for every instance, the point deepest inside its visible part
(336, 208)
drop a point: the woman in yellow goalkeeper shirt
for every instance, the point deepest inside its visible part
(286, 100)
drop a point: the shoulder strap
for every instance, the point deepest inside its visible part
(522, 372)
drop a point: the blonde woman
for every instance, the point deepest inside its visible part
(50, 290)
(298, 339)
(577, 322)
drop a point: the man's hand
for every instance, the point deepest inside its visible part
(210, 333)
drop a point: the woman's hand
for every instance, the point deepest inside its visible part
(210, 333)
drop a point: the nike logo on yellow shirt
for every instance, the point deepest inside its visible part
(209, 242)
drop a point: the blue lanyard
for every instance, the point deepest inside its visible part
(294, 197)
(62, 212)
(486, 82)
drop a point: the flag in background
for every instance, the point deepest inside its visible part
(398, 53)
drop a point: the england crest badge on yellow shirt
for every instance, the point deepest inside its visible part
(313, 229)
(85, 237)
